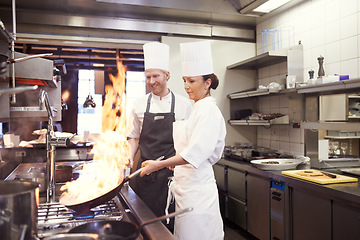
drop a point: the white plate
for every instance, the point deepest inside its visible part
(284, 164)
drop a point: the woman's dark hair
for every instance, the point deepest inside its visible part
(214, 80)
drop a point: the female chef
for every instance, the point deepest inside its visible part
(199, 143)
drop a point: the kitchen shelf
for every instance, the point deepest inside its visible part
(259, 92)
(329, 88)
(340, 126)
(279, 120)
(344, 137)
(262, 60)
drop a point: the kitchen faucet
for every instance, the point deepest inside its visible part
(51, 142)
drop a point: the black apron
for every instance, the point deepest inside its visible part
(156, 139)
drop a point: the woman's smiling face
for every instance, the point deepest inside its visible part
(196, 87)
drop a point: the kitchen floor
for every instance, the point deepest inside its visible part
(233, 232)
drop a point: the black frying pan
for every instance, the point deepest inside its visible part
(87, 205)
(120, 230)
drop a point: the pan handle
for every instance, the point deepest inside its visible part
(137, 172)
(182, 211)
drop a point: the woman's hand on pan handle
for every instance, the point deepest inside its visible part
(150, 166)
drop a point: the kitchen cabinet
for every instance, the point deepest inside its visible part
(280, 207)
(346, 221)
(220, 172)
(258, 206)
(232, 193)
(310, 214)
(339, 107)
(236, 197)
(237, 183)
(248, 101)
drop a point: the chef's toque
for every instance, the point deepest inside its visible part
(156, 56)
(196, 58)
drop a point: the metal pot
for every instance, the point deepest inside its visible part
(120, 230)
(63, 173)
(19, 202)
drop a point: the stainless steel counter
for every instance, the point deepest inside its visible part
(348, 192)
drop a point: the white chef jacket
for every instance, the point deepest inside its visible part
(200, 140)
(182, 110)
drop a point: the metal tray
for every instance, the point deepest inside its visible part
(353, 171)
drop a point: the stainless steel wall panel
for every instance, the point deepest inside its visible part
(248, 34)
(115, 23)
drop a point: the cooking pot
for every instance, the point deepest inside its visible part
(19, 202)
(63, 173)
(120, 230)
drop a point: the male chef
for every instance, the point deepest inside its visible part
(152, 119)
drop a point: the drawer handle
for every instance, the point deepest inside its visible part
(276, 198)
(276, 194)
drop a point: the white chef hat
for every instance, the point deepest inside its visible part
(156, 55)
(196, 58)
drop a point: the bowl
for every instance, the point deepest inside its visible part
(276, 163)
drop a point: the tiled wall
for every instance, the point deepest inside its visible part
(330, 28)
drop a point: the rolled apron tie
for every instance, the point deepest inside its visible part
(170, 198)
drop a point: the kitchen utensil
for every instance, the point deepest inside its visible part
(87, 205)
(353, 171)
(18, 209)
(317, 176)
(329, 174)
(73, 236)
(38, 177)
(120, 229)
(63, 173)
(276, 163)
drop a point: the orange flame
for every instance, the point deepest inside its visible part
(111, 150)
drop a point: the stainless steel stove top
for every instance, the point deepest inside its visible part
(54, 218)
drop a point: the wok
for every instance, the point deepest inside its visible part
(120, 229)
(87, 205)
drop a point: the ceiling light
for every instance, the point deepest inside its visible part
(270, 5)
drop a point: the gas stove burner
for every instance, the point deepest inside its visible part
(54, 218)
(83, 215)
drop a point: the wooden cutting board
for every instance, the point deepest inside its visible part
(317, 176)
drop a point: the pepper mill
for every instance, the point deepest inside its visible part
(321, 71)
